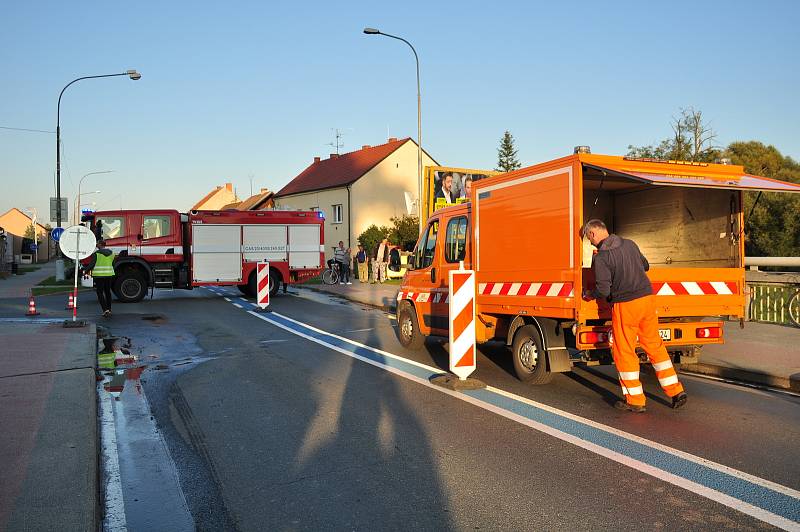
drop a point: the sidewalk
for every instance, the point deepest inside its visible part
(20, 285)
(48, 445)
(760, 353)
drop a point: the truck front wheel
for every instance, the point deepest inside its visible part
(408, 328)
(530, 358)
(130, 286)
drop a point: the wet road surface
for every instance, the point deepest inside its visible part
(273, 423)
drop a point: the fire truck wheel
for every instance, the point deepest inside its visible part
(130, 287)
(243, 288)
(275, 279)
(408, 328)
(530, 359)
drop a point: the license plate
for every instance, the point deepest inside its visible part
(665, 334)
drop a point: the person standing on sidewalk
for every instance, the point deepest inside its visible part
(103, 274)
(380, 258)
(342, 256)
(619, 271)
(361, 259)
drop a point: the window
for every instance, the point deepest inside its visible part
(111, 226)
(155, 227)
(427, 246)
(337, 213)
(455, 244)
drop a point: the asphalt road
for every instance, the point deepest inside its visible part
(311, 417)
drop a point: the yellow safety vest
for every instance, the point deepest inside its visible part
(104, 267)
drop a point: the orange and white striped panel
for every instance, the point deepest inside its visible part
(527, 289)
(695, 288)
(262, 282)
(462, 322)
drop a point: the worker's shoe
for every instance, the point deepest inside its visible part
(679, 400)
(622, 405)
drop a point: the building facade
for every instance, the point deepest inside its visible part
(357, 189)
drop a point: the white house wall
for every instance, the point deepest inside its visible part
(323, 200)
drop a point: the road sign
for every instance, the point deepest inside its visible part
(77, 242)
(64, 211)
(55, 234)
(34, 247)
(462, 322)
(262, 281)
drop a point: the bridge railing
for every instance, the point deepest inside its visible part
(773, 297)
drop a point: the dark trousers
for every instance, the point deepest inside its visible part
(102, 286)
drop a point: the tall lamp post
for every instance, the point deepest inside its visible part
(373, 31)
(77, 218)
(132, 74)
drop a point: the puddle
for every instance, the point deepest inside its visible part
(154, 318)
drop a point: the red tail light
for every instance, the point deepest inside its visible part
(593, 337)
(709, 332)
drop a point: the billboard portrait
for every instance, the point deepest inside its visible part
(451, 186)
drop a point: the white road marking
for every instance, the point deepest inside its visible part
(227, 299)
(237, 305)
(271, 341)
(361, 330)
(113, 501)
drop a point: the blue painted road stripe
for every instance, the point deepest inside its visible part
(759, 498)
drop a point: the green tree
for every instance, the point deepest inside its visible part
(404, 232)
(373, 234)
(692, 140)
(507, 154)
(772, 221)
(30, 232)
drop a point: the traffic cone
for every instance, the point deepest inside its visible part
(70, 302)
(31, 307)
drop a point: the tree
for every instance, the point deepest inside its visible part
(373, 234)
(30, 232)
(507, 154)
(772, 221)
(404, 232)
(691, 140)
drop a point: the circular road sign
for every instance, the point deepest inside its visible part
(55, 234)
(77, 242)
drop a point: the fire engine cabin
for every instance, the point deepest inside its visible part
(170, 250)
(521, 234)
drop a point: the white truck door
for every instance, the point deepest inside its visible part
(264, 243)
(304, 246)
(216, 253)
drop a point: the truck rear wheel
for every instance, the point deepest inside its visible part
(530, 358)
(408, 328)
(130, 286)
(275, 279)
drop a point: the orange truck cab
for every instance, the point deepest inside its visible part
(520, 233)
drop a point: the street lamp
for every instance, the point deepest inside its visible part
(132, 74)
(32, 210)
(373, 31)
(77, 219)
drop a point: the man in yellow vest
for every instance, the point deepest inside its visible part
(103, 274)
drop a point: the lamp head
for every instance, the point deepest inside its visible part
(133, 75)
(372, 31)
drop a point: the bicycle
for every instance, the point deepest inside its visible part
(793, 305)
(330, 275)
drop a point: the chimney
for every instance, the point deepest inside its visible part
(334, 155)
(229, 187)
(316, 159)
(263, 190)
(392, 139)
(365, 146)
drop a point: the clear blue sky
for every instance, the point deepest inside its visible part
(231, 89)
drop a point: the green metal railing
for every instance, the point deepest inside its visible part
(774, 303)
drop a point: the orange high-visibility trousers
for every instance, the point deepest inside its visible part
(633, 321)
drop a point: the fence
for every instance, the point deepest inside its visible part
(773, 297)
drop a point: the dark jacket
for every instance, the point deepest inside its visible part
(361, 256)
(89, 263)
(619, 271)
(385, 257)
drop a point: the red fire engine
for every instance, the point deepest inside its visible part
(170, 250)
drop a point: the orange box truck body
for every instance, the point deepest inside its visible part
(521, 234)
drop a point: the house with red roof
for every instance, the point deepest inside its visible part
(217, 199)
(357, 189)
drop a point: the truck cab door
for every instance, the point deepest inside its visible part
(160, 240)
(426, 279)
(116, 229)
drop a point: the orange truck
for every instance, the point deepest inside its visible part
(520, 233)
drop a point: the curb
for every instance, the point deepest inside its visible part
(753, 377)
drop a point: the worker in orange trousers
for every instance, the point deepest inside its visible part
(619, 268)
